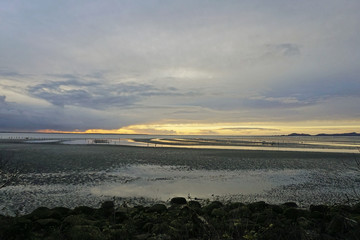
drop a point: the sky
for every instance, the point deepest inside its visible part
(244, 67)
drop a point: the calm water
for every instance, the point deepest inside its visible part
(275, 143)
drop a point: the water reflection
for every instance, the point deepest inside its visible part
(164, 182)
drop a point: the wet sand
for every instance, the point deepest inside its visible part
(54, 174)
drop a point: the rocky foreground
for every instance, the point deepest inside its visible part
(186, 220)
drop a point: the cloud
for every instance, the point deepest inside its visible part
(95, 94)
(284, 49)
(2, 100)
(24, 117)
(278, 102)
(10, 74)
(105, 65)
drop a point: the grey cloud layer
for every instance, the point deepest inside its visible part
(148, 61)
(96, 94)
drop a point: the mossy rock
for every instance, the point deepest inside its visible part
(292, 213)
(104, 212)
(159, 208)
(143, 236)
(85, 232)
(160, 237)
(243, 211)
(48, 222)
(262, 217)
(18, 228)
(319, 208)
(213, 205)
(340, 224)
(317, 215)
(147, 226)
(342, 209)
(75, 220)
(42, 213)
(277, 209)
(107, 205)
(60, 211)
(231, 206)
(120, 216)
(84, 210)
(356, 208)
(178, 201)
(305, 223)
(194, 204)
(257, 206)
(218, 212)
(290, 205)
(160, 228)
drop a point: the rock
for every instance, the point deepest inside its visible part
(107, 209)
(147, 226)
(120, 216)
(108, 205)
(16, 229)
(185, 211)
(215, 204)
(257, 206)
(341, 224)
(60, 211)
(326, 237)
(194, 205)
(74, 220)
(243, 211)
(316, 215)
(85, 232)
(41, 213)
(49, 222)
(23, 223)
(178, 201)
(218, 212)
(291, 213)
(84, 210)
(356, 208)
(342, 209)
(260, 217)
(304, 222)
(319, 208)
(277, 209)
(290, 205)
(160, 237)
(160, 228)
(159, 208)
(337, 225)
(235, 205)
(142, 236)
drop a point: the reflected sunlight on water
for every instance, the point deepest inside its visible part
(164, 182)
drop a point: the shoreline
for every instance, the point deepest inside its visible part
(187, 219)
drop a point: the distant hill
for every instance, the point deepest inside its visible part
(353, 134)
(340, 134)
(298, 135)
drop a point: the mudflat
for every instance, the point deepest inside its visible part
(54, 174)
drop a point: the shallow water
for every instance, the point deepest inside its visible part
(337, 144)
(164, 182)
(54, 174)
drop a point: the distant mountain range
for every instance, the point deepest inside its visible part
(353, 134)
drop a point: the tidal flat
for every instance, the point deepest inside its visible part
(53, 175)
